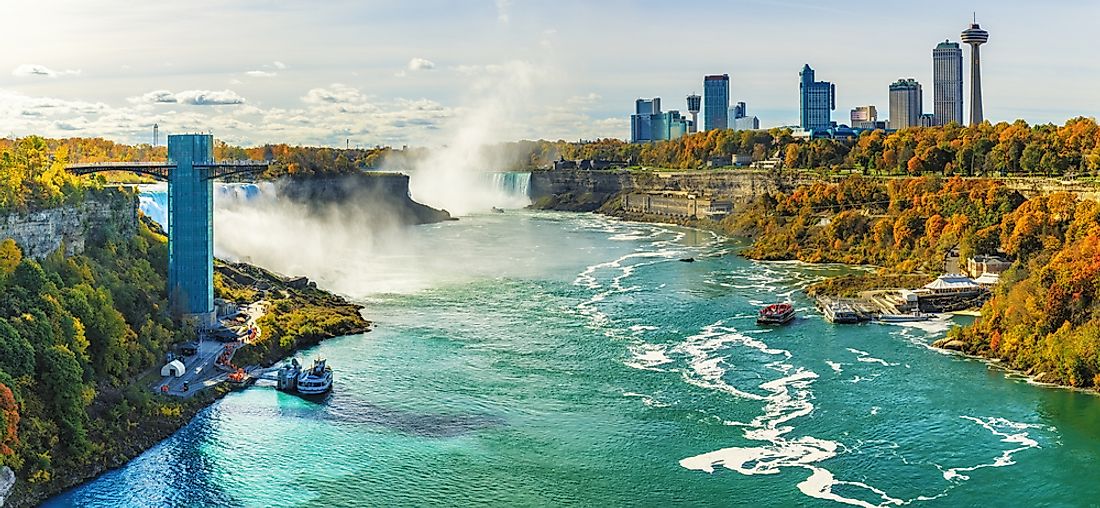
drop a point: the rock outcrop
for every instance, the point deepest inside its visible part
(41, 232)
(588, 190)
(384, 197)
(7, 481)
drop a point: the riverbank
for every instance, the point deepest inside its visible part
(909, 228)
(294, 300)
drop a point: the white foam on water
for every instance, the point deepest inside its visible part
(647, 399)
(936, 326)
(648, 356)
(835, 366)
(866, 357)
(1009, 432)
(638, 329)
(788, 398)
(707, 371)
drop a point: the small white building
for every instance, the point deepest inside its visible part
(950, 284)
(174, 368)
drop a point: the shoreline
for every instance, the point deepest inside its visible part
(182, 411)
(611, 208)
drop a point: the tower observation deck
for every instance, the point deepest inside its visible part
(975, 37)
(190, 173)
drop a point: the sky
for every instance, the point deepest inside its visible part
(416, 72)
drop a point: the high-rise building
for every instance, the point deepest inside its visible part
(864, 117)
(740, 119)
(673, 125)
(695, 103)
(926, 120)
(817, 101)
(975, 36)
(648, 123)
(746, 123)
(739, 110)
(641, 122)
(716, 101)
(905, 104)
(947, 83)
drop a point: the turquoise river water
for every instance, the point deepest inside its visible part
(572, 359)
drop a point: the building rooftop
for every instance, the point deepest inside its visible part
(949, 281)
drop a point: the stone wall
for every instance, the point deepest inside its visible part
(41, 232)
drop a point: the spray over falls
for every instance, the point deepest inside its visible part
(353, 243)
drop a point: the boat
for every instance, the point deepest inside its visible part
(498, 210)
(776, 314)
(287, 379)
(840, 313)
(902, 318)
(317, 380)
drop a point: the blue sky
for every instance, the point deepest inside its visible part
(418, 72)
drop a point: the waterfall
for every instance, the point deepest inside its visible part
(153, 202)
(512, 189)
(153, 198)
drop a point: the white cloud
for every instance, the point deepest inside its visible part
(584, 100)
(279, 65)
(27, 70)
(421, 64)
(209, 97)
(336, 93)
(261, 74)
(190, 97)
(155, 97)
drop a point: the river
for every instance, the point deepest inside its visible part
(573, 359)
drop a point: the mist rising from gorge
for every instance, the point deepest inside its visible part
(452, 176)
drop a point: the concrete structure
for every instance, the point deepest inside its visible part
(864, 117)
(716, 101)
(905, 103)
(746, 123)
(817, 100)
(681, 204)
(694, 103)
(649, 123)
(190, 172)
(225, 308)
(975, 37)
(926, 120)
(947, 83)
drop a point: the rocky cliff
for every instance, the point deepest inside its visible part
(41, 232)
(7, 481)
(587, 190)
(383, 196)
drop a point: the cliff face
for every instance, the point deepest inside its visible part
(379, 194)
(586, 190)
(41, 232)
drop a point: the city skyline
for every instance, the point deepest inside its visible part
(562, 79)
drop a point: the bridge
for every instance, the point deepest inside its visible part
(190, 173)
